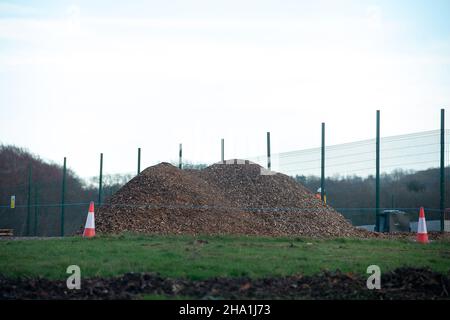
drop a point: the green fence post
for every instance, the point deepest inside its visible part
(222, 157)
(35, 210)
(377, 176)
(442, 170)
(269, 165)
(100, 181)
(180, 154)
(139, 161)
(322, 166)
(63, 197)
(29, 200)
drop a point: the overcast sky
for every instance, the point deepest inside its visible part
(82, 77)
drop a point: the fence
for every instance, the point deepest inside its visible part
(352, 166)
(359, 179)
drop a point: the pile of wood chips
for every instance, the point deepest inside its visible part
(220, 199)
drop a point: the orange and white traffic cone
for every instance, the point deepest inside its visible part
(422, 235)
(89, 229)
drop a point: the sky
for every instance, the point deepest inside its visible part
(82, 77)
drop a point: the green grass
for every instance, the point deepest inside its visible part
(183, 256)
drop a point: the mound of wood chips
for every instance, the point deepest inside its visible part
(220, 199)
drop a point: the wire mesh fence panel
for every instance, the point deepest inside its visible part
(350, 171)
(409, 175)
(19, 216)
(262, 161)
(348, 181)
(409, 167)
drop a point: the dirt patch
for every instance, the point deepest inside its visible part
(403, 283)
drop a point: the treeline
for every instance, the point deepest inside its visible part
(44, 218)
(400, 189)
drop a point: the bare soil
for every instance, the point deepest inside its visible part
(403, 283)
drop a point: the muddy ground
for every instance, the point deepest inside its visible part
(402, 283)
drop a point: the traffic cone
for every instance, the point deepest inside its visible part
(422, 235)
(89, 229)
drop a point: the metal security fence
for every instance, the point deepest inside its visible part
(360, 179)
(363, 178)
(410, 174)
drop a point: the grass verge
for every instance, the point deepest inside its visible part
(204, 257)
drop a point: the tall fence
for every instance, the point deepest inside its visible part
(411, 170)
(408, 164)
